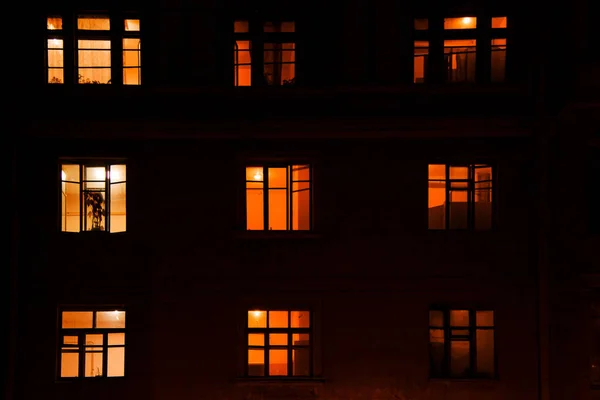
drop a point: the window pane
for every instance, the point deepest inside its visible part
(279, 61)
(54, 23)
(459, 358)
(69, 365)
(132, 25)
(300, 206)
(93, 363)
(460, 23)
(436, 351)
(77, 319)
(499, 22)
(485, 352)
(300, 319)
(70, 340)
(94, 339)
(458, 209)
(459, 56)
(116, 338)
(116, 361)
(301, 339)
(421, 54)
(93, 23)
(421, 24)
(436, 318)
(278, 319)
(278, 178)
(278, 209)
(279, 27)
(118, 214)
(240, 26)
(278, 339)
(254, 198)
(70, 209)
(242, 63)
(459, 317)
(484, 318)
(278, 362)
(301, 362)
(256, 362)
(256, 339)
(498, 60)
(257, 319)
(110, 319)
(93, 61)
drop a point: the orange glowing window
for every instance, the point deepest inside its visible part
(460, 196)
(460, 60)
(93, 197)
(95, 39)
(279, 343)
(421, 61)
(279, 62)
(92, 343)
(278, 197)
(467, 22)
(499, 22)
(454, 337)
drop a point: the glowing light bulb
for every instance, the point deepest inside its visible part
(466, 20)
(63, 174)
(257, 314)
(116, 314)
(257, 177)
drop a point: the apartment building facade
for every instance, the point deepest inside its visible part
(247, 200)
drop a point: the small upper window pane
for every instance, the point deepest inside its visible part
(460, 23)
(498, 22)
(240, 26)
(110, 319)
(54, 23)
(279, 27)
(421, 24)
(77, 319)
(93, 23)
(132, 24)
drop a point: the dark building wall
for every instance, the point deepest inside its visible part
(187, 275)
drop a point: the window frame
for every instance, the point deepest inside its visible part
(257, 38)
(447, 328)
(430, 28)
(81, 348)
(471, 191)
(266, 331)
(288, 163)
(71, 34)
(87, 163)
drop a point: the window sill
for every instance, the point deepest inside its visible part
(294, 381)
(275, 235)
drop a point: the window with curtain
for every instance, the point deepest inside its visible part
(96, 39)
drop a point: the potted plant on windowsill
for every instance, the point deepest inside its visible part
(94, 202)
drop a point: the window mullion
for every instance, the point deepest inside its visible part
(447, 185)
(289, 198)
(266, 199)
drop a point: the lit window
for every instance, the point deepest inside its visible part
(279, 343)
(421, 63)
(93, 197)
(278, 197)
(459, 56)
(461, 344)
(278, 54)
(460, 23)
(91, 343)
(55, 50)
(460, 196)
(95, 39)
(498, 49)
